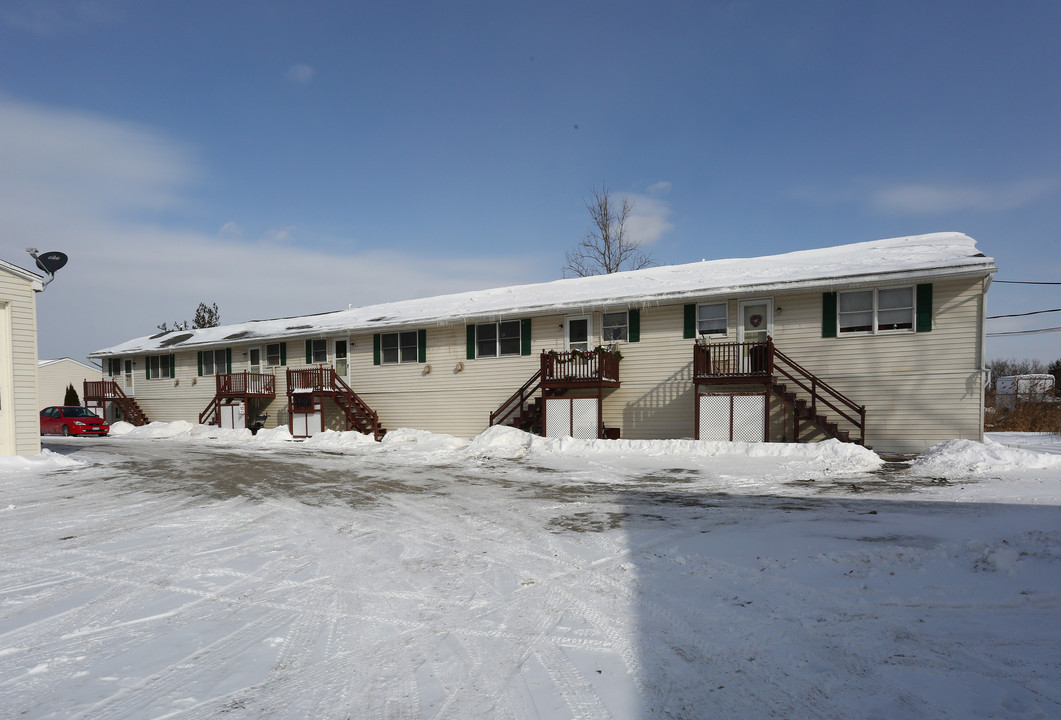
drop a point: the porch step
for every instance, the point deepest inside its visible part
(132, 412)
(801, 409)
(356, 418)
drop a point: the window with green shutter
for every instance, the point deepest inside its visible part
(877, 311)
(829, 315)
(924, 307)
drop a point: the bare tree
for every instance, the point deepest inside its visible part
(607, 247)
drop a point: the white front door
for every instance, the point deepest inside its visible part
(254, 360)
(756, 320)
(340, 350)
(127, 376)
(578, 332)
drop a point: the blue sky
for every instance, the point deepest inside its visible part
(281, 158)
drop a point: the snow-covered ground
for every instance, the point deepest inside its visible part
(182, 571)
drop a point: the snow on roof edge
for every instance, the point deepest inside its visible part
(936, 255)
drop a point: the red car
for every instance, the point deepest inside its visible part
(72, 421)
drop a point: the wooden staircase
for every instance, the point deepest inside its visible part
(523, 409)
(808, 396)
(110, 391)
(233, 386)
(212, 414)
(359, 416)
(324, 381)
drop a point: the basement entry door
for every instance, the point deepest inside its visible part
(233, 416)
(574, 417)
(727, 417)
(307, 416)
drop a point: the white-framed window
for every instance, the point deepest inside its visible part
(214, 362)
(158, 366)
(273, 355)
(114, 367)
(399, 347)
(615, 327)
(497, 339)
(712, 320)
(868, 312)
(318, 350)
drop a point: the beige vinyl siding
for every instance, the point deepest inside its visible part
(447, 400)
(656, 397)
(918, 388)
(18, 303)
(53, 378)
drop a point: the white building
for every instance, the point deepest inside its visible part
(877, 342)
(19, 414)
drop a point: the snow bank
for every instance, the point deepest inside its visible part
(181, 430)
(967, 456)
(509, 443)
(332, 440)
(44, 462)
(421, 440)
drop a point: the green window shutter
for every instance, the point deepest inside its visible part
(421, 346)
(924, 307)
(200, 363)
(173, 366)
(283, 353)
(690, 322)
(470, 355)
(634, 318)
(525, 336)
(147, 367)
(309, 352)
(228, 360)
(376, 342)
(829, 315)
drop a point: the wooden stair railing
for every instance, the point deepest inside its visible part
(516, 401)
(358, 413)
(819, 392)
(102, 390)
(325, 381)
(212, 414)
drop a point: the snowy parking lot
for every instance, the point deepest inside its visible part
(175, 571)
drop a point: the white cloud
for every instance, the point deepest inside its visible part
(648, 222)
(278, 235)
(925, 199)
(74, 182)
(300, 73)
(659, 188)
(53, 18)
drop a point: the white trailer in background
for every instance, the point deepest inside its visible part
(1012, 390)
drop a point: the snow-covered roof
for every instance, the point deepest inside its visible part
(33, 278)
(914, 257)
(55, 361)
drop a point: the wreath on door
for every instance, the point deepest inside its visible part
(756, 320)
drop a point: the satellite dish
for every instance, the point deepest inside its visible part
(50, 262)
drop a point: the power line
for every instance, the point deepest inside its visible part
(1033, 312)
(1025, 332)
(1026, 282)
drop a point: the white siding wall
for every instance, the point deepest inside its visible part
(18, 366)
(53, 379)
